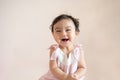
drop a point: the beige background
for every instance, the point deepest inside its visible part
(25, 36)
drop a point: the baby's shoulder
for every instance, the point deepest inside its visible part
(78, 51)
(80, 46)
(53, 47)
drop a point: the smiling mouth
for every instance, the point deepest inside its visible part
(64, 40)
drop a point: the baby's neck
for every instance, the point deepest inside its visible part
(67, 49)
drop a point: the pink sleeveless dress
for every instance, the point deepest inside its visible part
(66, 64)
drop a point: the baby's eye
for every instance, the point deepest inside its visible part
(68, 29)
(58, 30)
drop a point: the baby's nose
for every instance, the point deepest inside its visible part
(64, 33)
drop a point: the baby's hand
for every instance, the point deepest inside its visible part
(71, 77)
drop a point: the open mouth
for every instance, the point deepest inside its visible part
(64, 40)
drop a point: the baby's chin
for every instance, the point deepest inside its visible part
(65, 43)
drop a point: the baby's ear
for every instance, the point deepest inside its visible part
(77, 33)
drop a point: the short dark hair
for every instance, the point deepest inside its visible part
(65, 16)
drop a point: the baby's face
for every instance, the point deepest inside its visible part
(64, 32)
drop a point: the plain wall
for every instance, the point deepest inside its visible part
(25, 36)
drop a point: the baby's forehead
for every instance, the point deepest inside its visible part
(66, 23)
(62, 27)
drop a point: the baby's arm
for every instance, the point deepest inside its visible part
(81, 66)
(71, 77)
(54, 68)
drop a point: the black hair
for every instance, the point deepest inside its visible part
(65, 16)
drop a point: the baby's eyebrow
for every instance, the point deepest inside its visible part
(57, 28)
